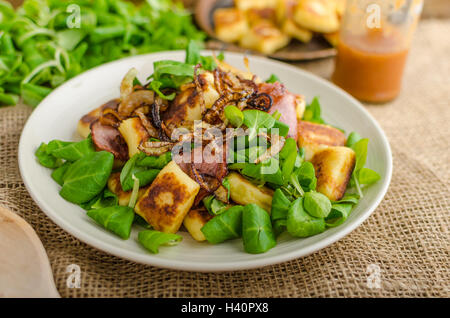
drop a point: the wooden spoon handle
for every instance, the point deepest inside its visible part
(24, 267)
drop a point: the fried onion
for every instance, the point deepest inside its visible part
(126, 86)
(135, 100)
(155, 148)
(277, 143)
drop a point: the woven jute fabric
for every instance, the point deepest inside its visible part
(407, 237)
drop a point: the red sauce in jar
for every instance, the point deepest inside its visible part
(369, 67)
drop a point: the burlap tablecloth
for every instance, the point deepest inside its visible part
(407, 236)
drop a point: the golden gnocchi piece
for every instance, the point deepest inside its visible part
(264, 37)
(134, 133)
(210, 94)
(242, 191)
(285, 10)
(124, 196)
(317, 16)
(194, 221)
(168, 199)
(334, 167)
(184, 110)
(230, 24)
(257, 15)
(297, 32)
(315, 137)
(257, 4)
(300, 106)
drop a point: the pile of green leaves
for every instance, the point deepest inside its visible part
(249, 147)
(42, 44)
(297, 208)
(83, 173)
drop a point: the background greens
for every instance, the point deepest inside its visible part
(42, 45)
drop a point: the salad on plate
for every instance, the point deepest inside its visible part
(214, 150)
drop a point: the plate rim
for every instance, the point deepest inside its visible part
(186, 265)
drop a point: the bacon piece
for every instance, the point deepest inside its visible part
(283, 101)
(108, 138)
(209, 170)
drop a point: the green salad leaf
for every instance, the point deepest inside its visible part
(288, 156)
(225, 226)
(142, 173)
(306, 176)
(360, 149)
(279, 128)
(272, 79)
(71, 151)
(362, 175)
(300, 224)
(105, 199)
(234, 116)
(117, 219)
(57, 144)
(58, 173)
(155, 162)
(313, 112)
(352, 139)
(317, 204)
(280, 206)
(152, 240)
(255, 120)
(214, 206)
(352, 198)
(226, 185)
(368, 176)
(339, 213)
(45, 159)
(87, 177)
(257, 232)
(279, 211)
(193, 57)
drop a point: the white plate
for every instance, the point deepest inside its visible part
(57, 117)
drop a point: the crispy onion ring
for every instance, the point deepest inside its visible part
(152, 131)
(232, 89)
(135, 100)
(199, 178)
(109, 120)
(155, 148)
(261, 101)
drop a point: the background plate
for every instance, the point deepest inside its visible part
(57, 117)
(317, 48)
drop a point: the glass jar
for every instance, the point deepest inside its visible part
(375, 37)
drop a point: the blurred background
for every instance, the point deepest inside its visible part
(432, 8)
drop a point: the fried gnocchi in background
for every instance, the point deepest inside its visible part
(268, 26)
